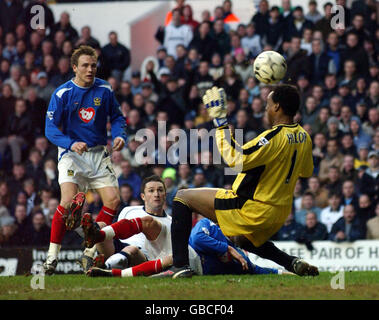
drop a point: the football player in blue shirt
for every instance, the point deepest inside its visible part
(76, 122)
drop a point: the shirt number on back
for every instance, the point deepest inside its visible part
(293, 160)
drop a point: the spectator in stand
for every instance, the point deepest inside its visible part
(347, 145)
(176, 33)
(20, 237)
(261, 18)
(307, 205)
(296, 24)
(333, 181)
(372, 123)
(313, 230)
(229, 16)
(361, 161)
(38, 234)
(86, 38)
(366, 208)
(332, 158)
(15, 74)
(7, 104)
(7, 230)
(47, 150)
(65, 74)
(358, 27)
(290, 231)
(34, 166)
(311, 110)
(64, 25)
(346, 114)
(273, 35)
(16, 179)
(373, 225)
(348, 228)
(368, 181)
(18, 131)
(116, 55)
(313, 14)
(356, 53)
(348, 172)
(251, 43)
(130, 177)
(333, 123)
(333, 212)
(320, 63)
(297, 61)
(320, 124)
(43, 89)
(10, 13)
(221, 37)
(203, 42)
(320, 194)
(126, 195)
(372, 99)
(349, 195)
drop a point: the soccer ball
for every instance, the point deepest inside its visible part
(270, 67)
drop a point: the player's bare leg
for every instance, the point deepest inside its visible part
(58, 228)
(110, 196)
(122, 229)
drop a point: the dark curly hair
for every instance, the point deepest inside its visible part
(288, 98)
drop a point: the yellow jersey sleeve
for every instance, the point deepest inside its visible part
(254, 153)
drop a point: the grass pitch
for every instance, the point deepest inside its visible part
(358, 285)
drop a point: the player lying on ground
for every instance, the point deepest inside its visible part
(142, 233)
(262, 193)
(147, 230)
(215, 254)
(76, 122)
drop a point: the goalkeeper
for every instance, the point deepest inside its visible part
(262, 193)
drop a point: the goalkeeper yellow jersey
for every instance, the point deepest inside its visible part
(268, 165)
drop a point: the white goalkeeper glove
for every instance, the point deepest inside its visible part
(215, 102)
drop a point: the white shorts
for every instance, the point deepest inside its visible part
(91, 170)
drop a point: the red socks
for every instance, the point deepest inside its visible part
(144, 269)
(106, 215)
(125, 228)
(147, 268)
(116, 272)
(58, 227)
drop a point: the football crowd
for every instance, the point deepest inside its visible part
(336, 70)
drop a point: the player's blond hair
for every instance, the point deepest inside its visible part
(82, 50)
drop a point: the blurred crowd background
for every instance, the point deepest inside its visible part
(335, 69)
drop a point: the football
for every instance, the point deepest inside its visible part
(270, 67)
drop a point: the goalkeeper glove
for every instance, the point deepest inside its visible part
(215, 102)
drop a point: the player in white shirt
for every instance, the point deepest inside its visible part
(144, 233)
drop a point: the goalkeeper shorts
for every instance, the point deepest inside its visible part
(256, 220)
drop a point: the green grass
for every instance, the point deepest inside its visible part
(358, 285)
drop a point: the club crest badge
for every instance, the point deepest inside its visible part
(97, 101)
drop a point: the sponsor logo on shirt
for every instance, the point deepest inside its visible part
(86, 114)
